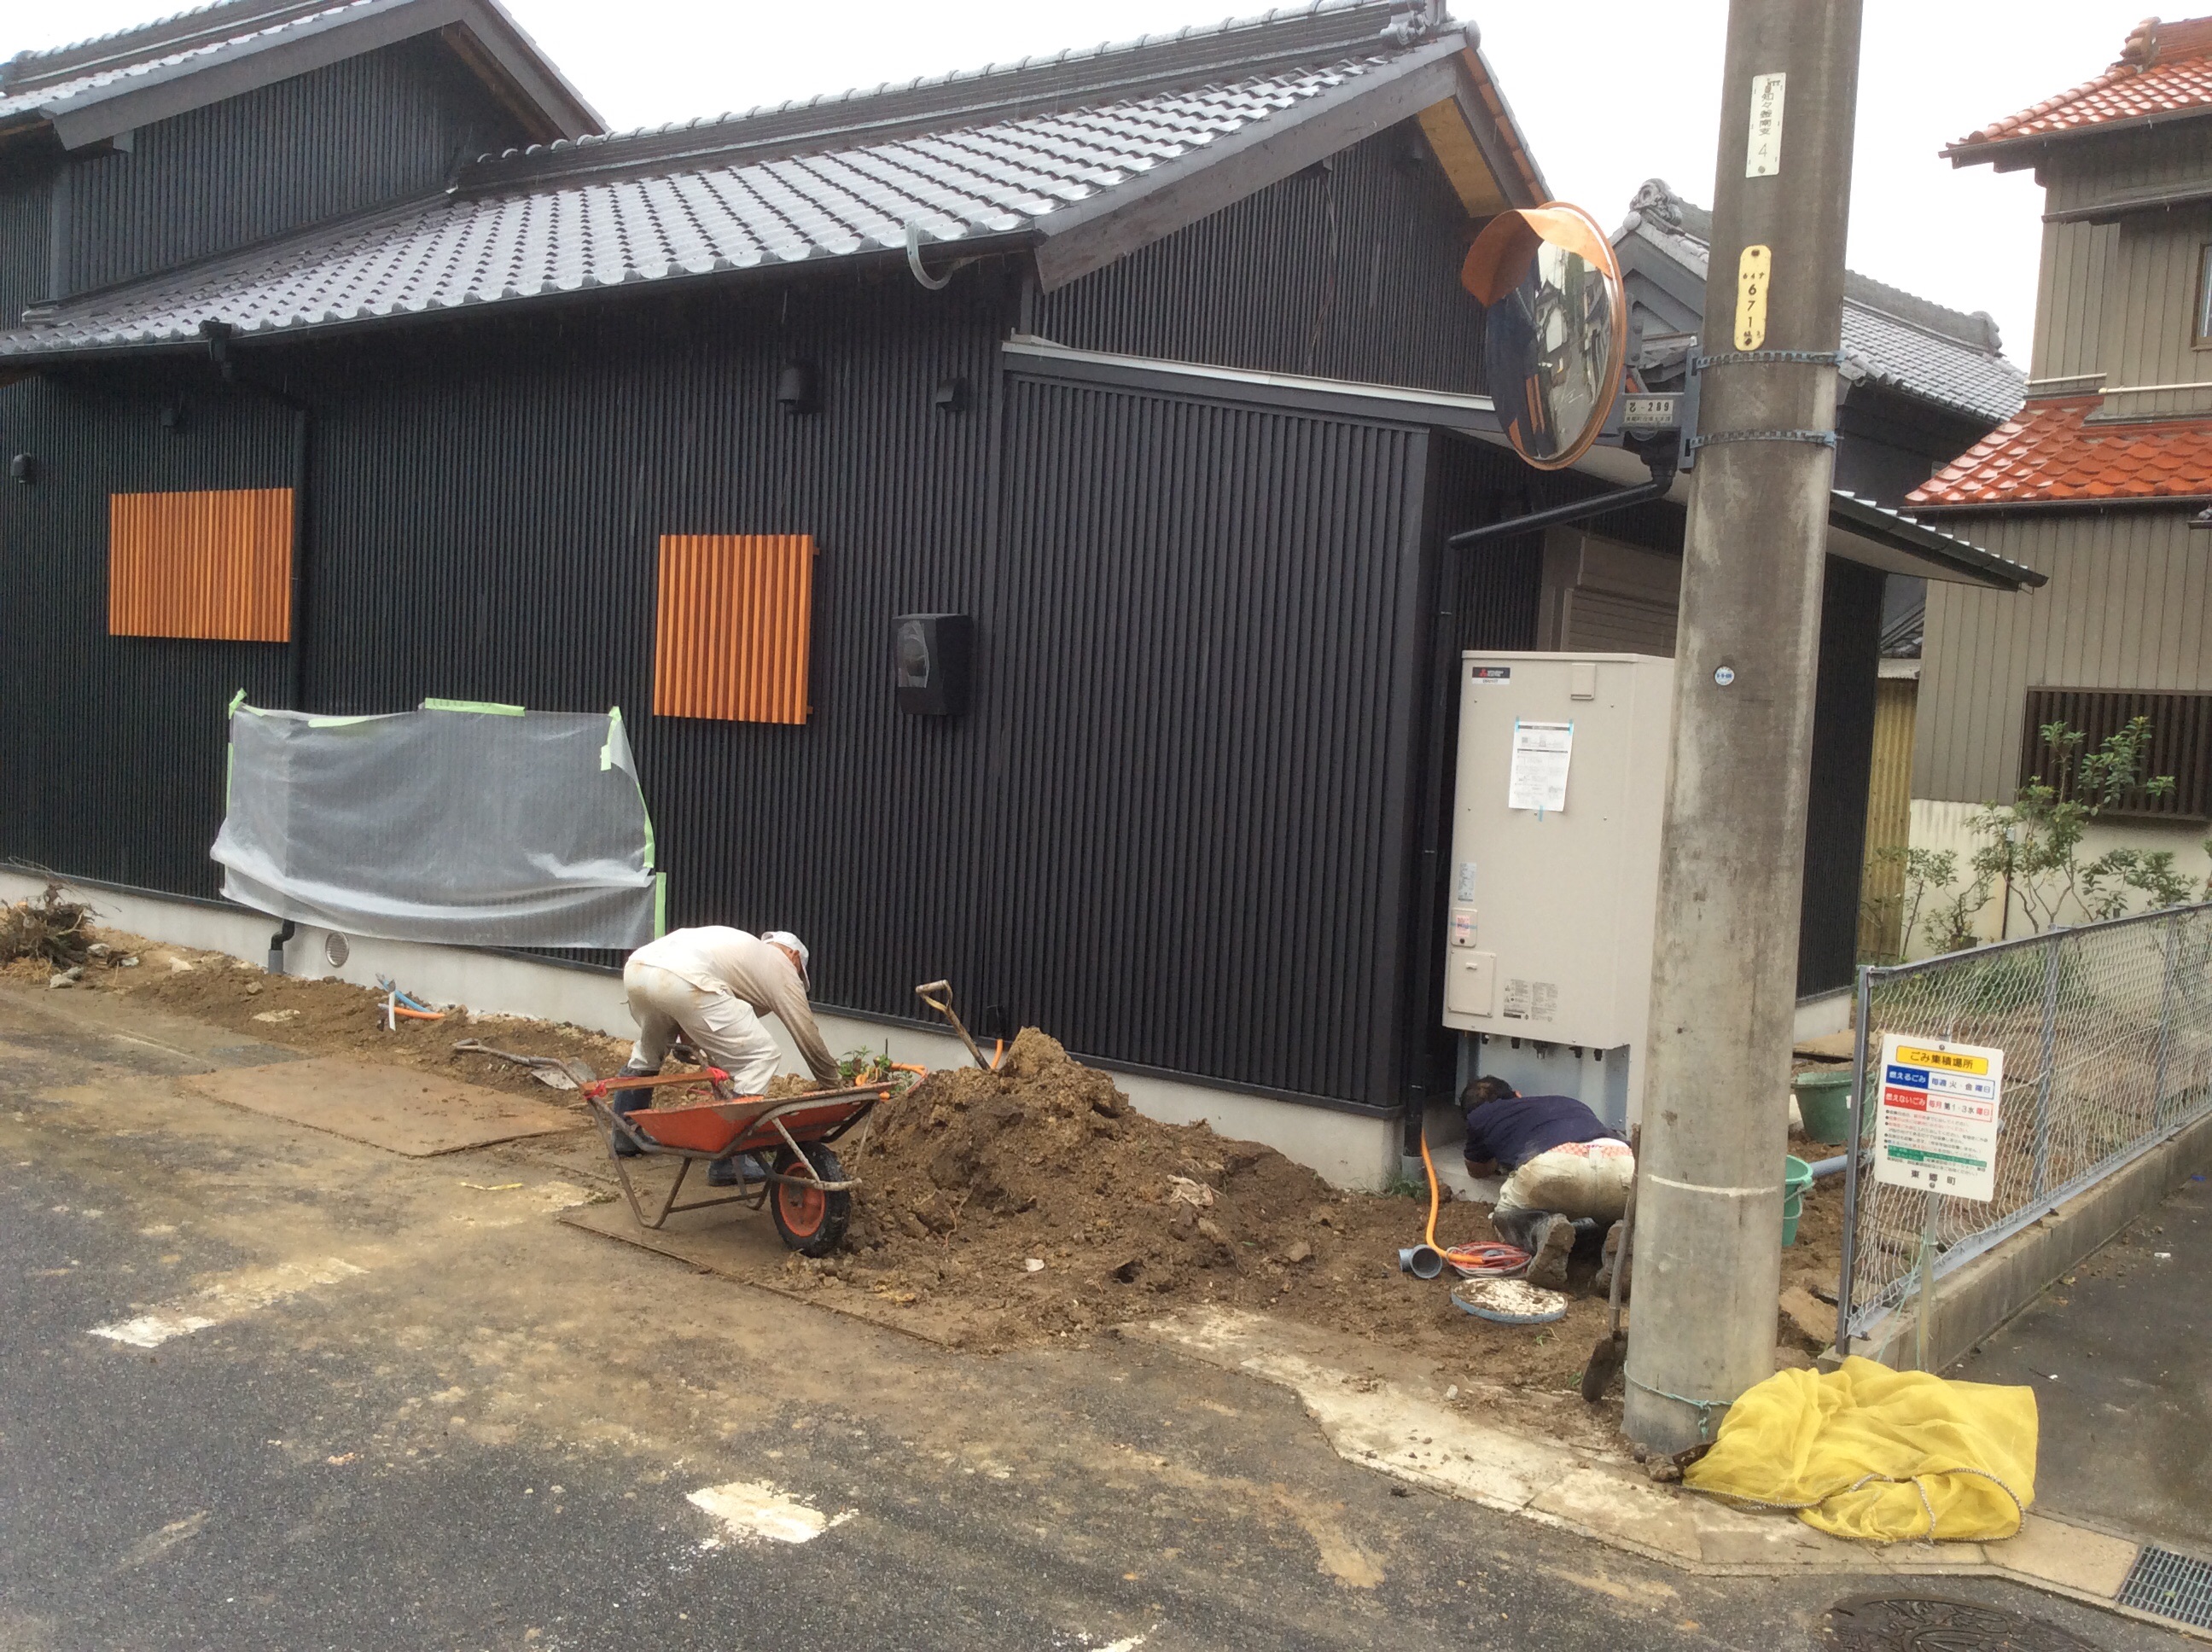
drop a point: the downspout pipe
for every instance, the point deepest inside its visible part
(218, 335)
(277, 944)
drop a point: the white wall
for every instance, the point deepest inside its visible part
(1939, 825)
(1348, 1150)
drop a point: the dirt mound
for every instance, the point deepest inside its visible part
(973, 1179)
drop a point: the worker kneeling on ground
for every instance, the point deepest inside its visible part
(1565, 1173)
(709, 988)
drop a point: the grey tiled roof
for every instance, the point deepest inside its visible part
(1894, 337)
(740, 193)
(34, 81)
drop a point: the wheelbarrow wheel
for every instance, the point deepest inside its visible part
(810, 1221)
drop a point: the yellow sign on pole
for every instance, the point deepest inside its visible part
(1752, 272)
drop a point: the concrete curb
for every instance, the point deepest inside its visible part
(1417, 1438)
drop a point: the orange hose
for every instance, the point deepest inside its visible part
(1428, 1236)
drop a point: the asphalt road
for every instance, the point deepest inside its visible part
(425, 1414)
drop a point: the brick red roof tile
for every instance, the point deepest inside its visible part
(2049, 453)
(2164, 69)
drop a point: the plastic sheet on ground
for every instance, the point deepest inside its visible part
(467, 824)
(1867, 1451)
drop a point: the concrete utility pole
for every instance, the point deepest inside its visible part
(1708, 1254)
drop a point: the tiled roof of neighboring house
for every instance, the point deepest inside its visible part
(956, 164)
(1891, 336)
(2049, 453)
(70, 86)
(2164, 69)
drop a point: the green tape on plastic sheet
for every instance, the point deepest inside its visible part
(236, 700)
(342, 722)
(489, 708)
(660, 904)
(607, 745)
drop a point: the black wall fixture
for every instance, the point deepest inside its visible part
(797, 388)
(952, 396)
(24, 468)
(931, 660)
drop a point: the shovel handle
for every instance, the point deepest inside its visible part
(938, 995)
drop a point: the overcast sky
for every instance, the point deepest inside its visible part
(1608, 93)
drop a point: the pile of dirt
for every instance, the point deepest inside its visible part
(1037, 1192)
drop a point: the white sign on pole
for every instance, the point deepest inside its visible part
(1937, 1129)
(1541, 752)
(1764, 157)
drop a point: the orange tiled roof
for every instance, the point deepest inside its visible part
(2163, 68)
(2048, 453)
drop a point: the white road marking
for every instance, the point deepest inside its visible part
(226, 1299)
(751, 1510)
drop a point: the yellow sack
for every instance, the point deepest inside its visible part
(1864, 1451)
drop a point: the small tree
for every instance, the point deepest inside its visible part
(2032, 846)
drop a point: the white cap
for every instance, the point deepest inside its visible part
(784, 937)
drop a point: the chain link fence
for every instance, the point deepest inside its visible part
(2107, 1035)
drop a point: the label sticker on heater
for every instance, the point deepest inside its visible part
(1541, 752)
(1936, 1128)
(1463, 892)
(1490, 673)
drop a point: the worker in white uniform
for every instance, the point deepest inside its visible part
(709, 988)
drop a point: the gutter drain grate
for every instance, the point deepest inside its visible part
(2171, 1585)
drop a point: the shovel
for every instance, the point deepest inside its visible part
(1611, 1352)
(938, 995)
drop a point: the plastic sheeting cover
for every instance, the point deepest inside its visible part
(488, 826)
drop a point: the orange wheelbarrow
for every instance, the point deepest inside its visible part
(805, 1190)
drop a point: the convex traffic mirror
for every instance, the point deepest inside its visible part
(1555, 328)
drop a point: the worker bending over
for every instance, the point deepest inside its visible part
(1564, 1170)
(709, 988)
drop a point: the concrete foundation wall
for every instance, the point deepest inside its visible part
(1348, 1150)
(1976, 1301)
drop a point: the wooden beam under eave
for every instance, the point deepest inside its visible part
(1461, 158)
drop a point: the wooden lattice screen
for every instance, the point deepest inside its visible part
(735, 615)
(214, 565)
(2180, 741)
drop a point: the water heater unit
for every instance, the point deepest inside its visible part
(1554, 874)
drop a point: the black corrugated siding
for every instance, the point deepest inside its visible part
(369, 129)
(1196, 857)
(488, 519)
(114, 745)
(1351, 272)
(1842, 772)
(26, 203)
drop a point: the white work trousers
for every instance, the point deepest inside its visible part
(718, 1023)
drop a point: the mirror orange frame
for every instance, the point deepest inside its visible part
(1499, 261)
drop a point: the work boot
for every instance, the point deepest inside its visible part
(1615, 1237)
(723, 1173)
(1548, 1265)
(623, 1103)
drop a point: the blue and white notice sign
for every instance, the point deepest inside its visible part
(1937, 1129)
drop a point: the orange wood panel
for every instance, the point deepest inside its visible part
(214, 565)
(735, 615)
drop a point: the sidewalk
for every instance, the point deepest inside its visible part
(2118, 1353)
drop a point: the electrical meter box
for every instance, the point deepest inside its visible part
(1554, 874)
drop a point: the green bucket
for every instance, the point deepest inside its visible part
(1824, 1099)
(1796, 1177)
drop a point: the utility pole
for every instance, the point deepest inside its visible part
(1707, 1253)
